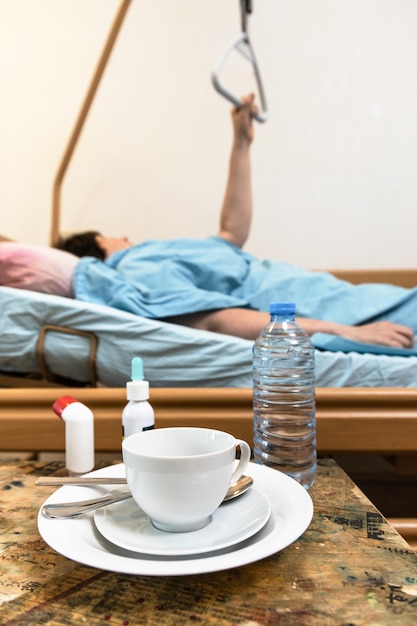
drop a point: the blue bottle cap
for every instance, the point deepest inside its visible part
(282, 308)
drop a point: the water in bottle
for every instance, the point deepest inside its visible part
(284, 396)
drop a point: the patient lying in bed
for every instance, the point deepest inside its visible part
(213, 284)
(197, 278)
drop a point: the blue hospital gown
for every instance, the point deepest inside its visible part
(159, 279)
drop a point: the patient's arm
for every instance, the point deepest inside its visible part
(236, 211)
(383, 333)
(247, 324)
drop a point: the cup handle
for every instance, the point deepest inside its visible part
(245, 454)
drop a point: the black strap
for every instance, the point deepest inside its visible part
(246, 9)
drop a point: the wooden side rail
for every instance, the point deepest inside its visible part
(382, 421)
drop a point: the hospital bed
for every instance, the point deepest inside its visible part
(50, 340)
(61, 343)
(53, 346)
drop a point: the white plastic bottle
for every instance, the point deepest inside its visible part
(79, 434)
(138, 414)
(284, 396)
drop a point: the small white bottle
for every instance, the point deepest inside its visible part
(138, 414)
(79, 434)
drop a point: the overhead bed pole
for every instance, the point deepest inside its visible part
(82, 115)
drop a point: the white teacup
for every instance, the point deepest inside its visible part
(179, 476)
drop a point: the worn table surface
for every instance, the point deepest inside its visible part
(349, 568)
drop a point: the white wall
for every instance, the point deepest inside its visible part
(334, 168)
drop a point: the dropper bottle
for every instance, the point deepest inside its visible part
(138, 414)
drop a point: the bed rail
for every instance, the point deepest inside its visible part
(382, 421)
(45, 374)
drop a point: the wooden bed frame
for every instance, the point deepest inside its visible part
(382, 421)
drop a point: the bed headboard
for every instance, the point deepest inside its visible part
(402, 277)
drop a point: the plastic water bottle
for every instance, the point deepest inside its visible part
(284, 396)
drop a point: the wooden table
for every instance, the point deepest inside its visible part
(349, 567)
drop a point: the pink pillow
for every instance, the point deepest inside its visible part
(37, 268)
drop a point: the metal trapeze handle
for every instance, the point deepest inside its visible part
(243, 45)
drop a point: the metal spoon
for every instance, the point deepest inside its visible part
(65, 510)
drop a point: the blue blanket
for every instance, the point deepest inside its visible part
(159, 279)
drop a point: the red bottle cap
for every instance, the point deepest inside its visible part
(62, 403)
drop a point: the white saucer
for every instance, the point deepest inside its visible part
(127, 526)
(78, 538)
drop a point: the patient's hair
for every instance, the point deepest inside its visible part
(82, 244)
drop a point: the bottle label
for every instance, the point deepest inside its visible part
(151, 427)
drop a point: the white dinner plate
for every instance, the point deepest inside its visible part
(79, 540)
(127, 526)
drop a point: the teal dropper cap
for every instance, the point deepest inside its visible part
(137, 368)
(137, 388)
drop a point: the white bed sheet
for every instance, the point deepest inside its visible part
(174, 356)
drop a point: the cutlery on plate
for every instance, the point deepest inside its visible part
(65, 510)
(45, 481)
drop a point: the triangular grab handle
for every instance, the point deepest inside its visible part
(243, 45)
